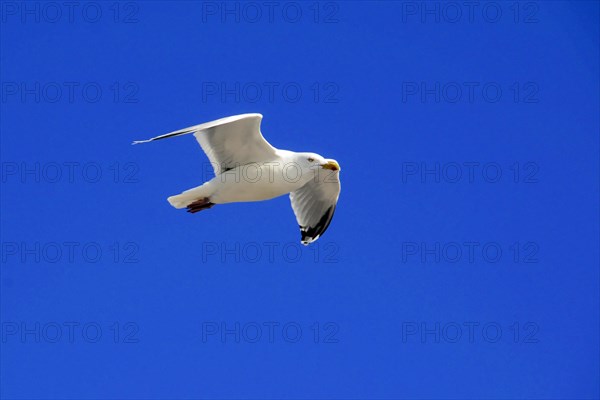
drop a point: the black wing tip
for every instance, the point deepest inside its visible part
(141, 141)
(312, 233)
(168, 135)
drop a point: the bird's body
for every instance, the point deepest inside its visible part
(249, 183)
(247, 168)
(256, 181)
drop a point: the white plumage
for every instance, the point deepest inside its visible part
(247, 168)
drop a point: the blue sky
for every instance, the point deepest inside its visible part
(462, 261)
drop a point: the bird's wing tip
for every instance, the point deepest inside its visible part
(307, 241)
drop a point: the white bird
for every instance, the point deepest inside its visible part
(247, 168)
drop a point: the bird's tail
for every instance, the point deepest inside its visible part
(197, 199)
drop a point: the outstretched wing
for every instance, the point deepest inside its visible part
(314, 204)
(229, 142)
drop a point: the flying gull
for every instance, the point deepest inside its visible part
(247, 168)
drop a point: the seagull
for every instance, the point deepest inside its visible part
(247, 168)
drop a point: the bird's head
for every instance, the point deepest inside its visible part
(316, 162)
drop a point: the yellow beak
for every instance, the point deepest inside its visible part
(332, 165)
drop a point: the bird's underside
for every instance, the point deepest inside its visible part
(236, 141)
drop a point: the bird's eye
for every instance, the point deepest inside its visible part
(310, 159)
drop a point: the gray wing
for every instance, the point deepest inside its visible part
(229, 142)
(314, 204)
